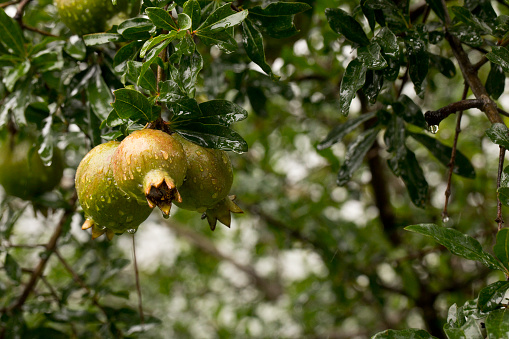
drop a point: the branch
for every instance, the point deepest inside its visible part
(499, 220)
(8, 3)
(138, 286)
(50, 248)
(21, 8)
(434, 118)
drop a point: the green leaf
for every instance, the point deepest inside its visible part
(339, 132)
(213, 136)
(222, 112)
(151, 57)
(499, 55)
(225, 23)
(161, 18)
(343, 23)
(169, 92)
(388, 41)
(471, 329)
(186, 46)
(223, 40)
(184, 21)
(12, 268)
(253, 44)
(418, 62)
(444, 65)
(12, 75)
(126, 53)
(474, 23)
(497, 324)
(499, 134)
(276, 20)
(136, 28)
(501, 248)
(185, 110)
(353, 79)
(438, 8)
(99, 96)
(403, 334)
(371, 56)
(407, 166)
(462, 165)
(373, 85)
(131, 104)
(495, 83)
(355, 154)
(11, 36)
(193, 10)
(47, 141)
(457, 243)
(409, 111)
(186, 75)
(147, 81)
(76, 48)
(102, 38)
(149, 44)
(492, 296)
(466, 35)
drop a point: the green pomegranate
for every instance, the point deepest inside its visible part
(22, 172)
(150, 165)
(107, 208)
(92, 16)
(208, 181)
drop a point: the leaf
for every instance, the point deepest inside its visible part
(373, 85)
(388, 41)
(497, 324)
(136, 28)
(187, 74)
(147, 81)
(339, 132)
(223, 40)
(224, 19)
(457, 243)
(222, 112)
(161, 18)
(149, 44)
(495, 83)
(12, 268)
(371, 56)
(253, 44)
(11, 36)
(403, 334)
(499, 55)
(276, 20)
(193, 10)
(418, 62)
(501, 248)
(76, 48)
(412, 175)
(47, 141)
(151, 57)
(492, 296)
(442, 153)
(444, 65)
(471, 329)
(353, 79)
(355, 154)
(124, 54)
(131, 104)
(409, 111)
(102, 38)
(99, 96)
(474, 23)
(169, 92)
(184, 21)
(343, 23)
(213, 136)
(499, 134)
(12, 75)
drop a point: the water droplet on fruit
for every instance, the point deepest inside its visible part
(214, 195)
(433, 128)
(129, 159)
(138, 169)
(165, 155)
(131, 230)
(132, 176)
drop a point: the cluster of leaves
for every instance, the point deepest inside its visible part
(395, 42)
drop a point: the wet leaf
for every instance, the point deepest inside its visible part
(276, 20)
(343, 23)
(353, 80)
(161, 18)
(464, 15)
(13, 74)
(409, 111)
(135, 29)
(499, 134)
(102, 38)
(213, 136)
(193, 10)
(151, 57)
(151, 43)
(457, 243)
(418, 62)
(403, 334)
(339, 132)
(76, 48)
(253, 44)
(406, 165)
(499, 55)
(355, 154)
(371, 56)
(492, 296)
(99, 96)
(147, 81)
(438, 8)
(124, 54)
(388, 41)
(444, 65)
(184, 21)
(497, 324)
(501, 248)
(131, 104)
(11, 36)
(223, 18)
(495, 83)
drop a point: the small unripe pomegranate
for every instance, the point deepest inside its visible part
(22, 172)
(208, 181)
(150, 165)
(107, 208)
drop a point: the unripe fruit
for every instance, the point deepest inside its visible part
(149, 165)
(22, 172)
(208, 181)
(93, 16)
(106, 207)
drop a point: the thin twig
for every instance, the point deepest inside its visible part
(8, 3)
(33, 29)
(500, 219)
(445, 215)
(138, 285)
(50, 248)
(21, 8)
(435, 117)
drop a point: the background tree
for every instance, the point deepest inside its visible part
(341, 159)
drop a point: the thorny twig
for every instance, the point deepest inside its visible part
(445, 216)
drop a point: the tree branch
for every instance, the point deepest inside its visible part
(435, 117)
